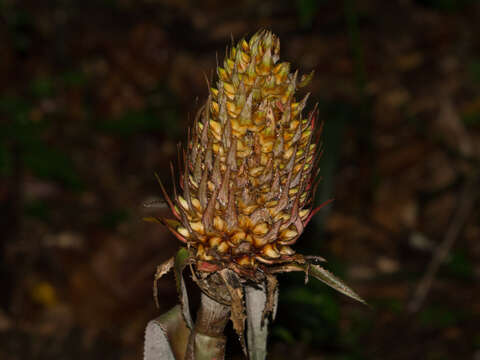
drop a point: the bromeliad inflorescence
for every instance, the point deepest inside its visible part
(248, 180)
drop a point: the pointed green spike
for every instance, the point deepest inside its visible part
(331, 280)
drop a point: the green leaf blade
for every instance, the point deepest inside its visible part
(181, 261)
(331, 280)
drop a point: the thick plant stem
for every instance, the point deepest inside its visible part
(257, 330)
(166, 337)
(207, 341)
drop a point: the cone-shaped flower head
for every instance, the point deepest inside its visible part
(249, 163)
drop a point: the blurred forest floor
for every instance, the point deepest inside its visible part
(95, 96)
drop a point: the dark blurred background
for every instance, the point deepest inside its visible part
(95, 96)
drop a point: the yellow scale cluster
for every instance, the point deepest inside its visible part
(248, 167)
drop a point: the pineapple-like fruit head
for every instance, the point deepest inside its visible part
(247, 183)
(249, 165)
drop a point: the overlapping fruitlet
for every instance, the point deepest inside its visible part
(249, 165)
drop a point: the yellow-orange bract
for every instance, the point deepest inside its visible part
(249, 163)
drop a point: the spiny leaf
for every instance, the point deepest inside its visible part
(181, 260)
(305, 79)
(331, 280)
(237, 314)
(272, 293)
(152, 219)
(321, 274)
(161, 270)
